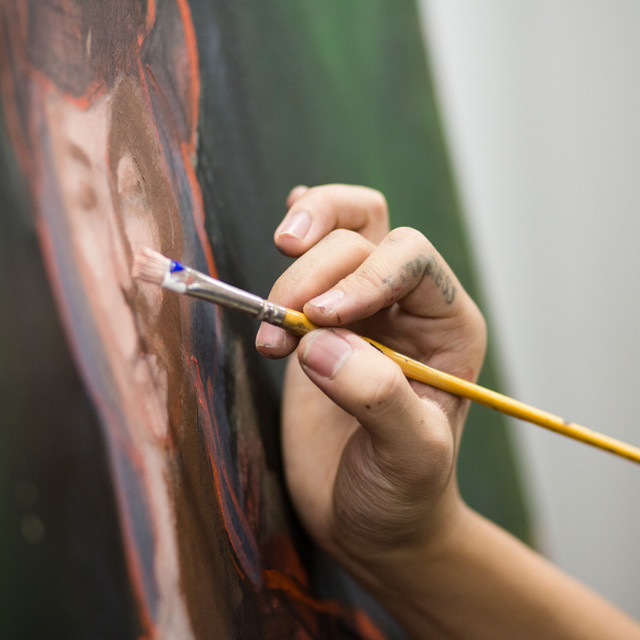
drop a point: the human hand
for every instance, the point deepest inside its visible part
(369, 456)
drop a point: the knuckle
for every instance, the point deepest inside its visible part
(438, 448)
(410, 237)
(422, 467)
(477, 331)
(342, 237)
(431, 458)
(384, 390)
(471, 320)
(366, 280)
(291, 287)
(379, 206)
(478, 322)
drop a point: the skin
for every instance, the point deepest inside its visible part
(370, 457)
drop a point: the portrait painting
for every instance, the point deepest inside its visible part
(151, 123)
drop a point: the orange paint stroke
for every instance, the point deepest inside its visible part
(194, 67)
(274, 579)
(151, 18)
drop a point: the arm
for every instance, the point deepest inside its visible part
(370, 457)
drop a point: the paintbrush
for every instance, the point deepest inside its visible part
(151, 266)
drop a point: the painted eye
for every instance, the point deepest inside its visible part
(130, 186)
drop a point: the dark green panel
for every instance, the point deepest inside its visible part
(341, 92)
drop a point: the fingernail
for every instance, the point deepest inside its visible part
(329, 301)
(296, 226)
(270, 336)
(326, 353)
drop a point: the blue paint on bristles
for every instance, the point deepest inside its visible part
(176, 266)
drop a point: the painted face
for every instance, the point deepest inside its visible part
(79, 146)
(109, 216)
(116, 198)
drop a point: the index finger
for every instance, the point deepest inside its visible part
(319, 210)
(405, 268)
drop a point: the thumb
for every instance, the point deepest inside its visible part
(408, 432)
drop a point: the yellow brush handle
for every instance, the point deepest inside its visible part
(299, 323)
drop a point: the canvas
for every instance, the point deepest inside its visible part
(166, 123)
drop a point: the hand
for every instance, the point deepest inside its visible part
(369, 456)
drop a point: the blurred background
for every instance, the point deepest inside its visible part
(541, 108)
(539, 103)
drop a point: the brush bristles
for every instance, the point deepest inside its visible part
(151, 266)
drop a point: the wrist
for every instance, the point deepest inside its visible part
(410, 581)
(387, 568)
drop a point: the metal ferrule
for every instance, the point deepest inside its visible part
(199, 285)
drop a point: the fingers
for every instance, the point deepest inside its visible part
(405, 429)
(335, 256)
(405, 268)
(347, 272)
(316, 211)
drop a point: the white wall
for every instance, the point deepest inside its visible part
(541, 102)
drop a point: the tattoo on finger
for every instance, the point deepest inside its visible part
(418, 268)
(434, 270)
(425, 265)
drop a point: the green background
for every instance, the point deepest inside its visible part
(342, 92)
